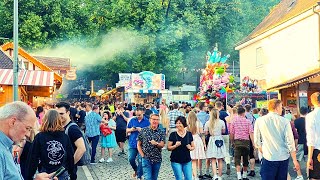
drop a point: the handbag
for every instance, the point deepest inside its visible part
(218, 143)
(105, 130)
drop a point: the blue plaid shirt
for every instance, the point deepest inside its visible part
(173, 116)
(92, 122)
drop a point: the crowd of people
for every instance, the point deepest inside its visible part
(215, 135)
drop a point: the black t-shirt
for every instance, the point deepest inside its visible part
(73, 112)
(121, 124)
(180, 154)
(51, 150)
(300, 125)
(222, 116)
(82, 115)
(148, 113)
(74, 134)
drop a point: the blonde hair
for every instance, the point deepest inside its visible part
(192, 120)
(273, 104)
(164, 119)
(213, 120)
(52, 122)
(32, 135)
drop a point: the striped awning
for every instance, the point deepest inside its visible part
(27, 77)
(38, 78)
(6, 76)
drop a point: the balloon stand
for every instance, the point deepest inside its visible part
(215, 82)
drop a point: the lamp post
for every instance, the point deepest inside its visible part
(15, 51)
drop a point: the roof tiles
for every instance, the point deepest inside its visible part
(284, 11)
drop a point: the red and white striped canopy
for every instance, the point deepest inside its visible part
(27, 77)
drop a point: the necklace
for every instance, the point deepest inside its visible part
(182, 134)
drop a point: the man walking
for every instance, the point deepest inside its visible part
(240, 131)
(252, 119)
(74, 132)
(313, 137)
(134, 127)
(17, 120)
(274, 139)
(121, 117)
(173, 114)
(92, 122)
(300, 125)
(151, 140)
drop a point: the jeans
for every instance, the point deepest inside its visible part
(182, 169)
(274, 170)
(150, 169)
(94, 143)
(133, 153)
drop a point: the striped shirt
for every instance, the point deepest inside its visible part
(241, 128)
(173, 116)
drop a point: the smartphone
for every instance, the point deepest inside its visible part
(58, 172)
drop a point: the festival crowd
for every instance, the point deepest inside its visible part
(37, 143)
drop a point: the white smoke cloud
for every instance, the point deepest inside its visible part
(115, 42)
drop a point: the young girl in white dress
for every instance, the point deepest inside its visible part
(196, 128)
(216, 150)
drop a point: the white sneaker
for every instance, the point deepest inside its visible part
(101, 160)
(299, 178)
(109, 160)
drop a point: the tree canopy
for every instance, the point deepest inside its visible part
(177, 32)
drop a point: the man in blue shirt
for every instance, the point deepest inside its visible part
(17, 120)
(134, 127)
(203, 116)
(92, 122)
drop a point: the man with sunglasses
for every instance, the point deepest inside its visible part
(134, 127)
(17, 120)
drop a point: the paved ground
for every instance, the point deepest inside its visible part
(120, 169)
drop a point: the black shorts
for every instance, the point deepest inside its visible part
(121, 135)
(315, 173)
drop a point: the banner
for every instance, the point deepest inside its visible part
(124, 80)
(148, 80)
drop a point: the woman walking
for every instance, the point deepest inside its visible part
(181, 143)
(51, 149)
(108, 141)
(198, 154)
(216, 149)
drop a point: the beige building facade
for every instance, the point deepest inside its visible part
(283, 52)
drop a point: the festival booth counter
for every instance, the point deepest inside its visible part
(143, 87)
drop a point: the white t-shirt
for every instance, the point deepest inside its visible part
(217, 128)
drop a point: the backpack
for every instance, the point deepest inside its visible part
(86, 157)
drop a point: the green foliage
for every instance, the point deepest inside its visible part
(179, 32)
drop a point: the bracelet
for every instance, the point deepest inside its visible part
(20, 146)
